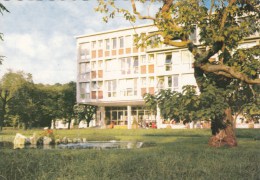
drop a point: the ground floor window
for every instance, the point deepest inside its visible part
(118, 115)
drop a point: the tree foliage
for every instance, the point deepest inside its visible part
(68, 100)
(223, 24)
(175, 105)
(10, 84)
(85, 112)
(25, 104)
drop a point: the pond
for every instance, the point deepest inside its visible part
(84, 145)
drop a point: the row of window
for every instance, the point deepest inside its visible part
(113, 43)
(129, 65)
(128, 87)
(107, 44)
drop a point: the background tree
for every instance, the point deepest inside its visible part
(67, 101)
(85, 112)
(24, 105)
(223, 24)
(10, 83)
(2, 9)
(174, 105)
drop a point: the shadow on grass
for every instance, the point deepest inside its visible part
(181, 133)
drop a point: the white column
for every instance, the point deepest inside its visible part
(129, 114)
(158, 118)
(102, 117)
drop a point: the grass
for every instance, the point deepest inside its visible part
(169, 154)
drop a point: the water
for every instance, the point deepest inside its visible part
(84, 145)
(102, 145)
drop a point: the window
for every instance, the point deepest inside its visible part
(93, 85)
(185, 57)
(160, 83)
(169, 82)
(143, 59)
(160, 59)
(100, 64)
(175, 82)
(88, 67)
(84, 90)
(111, 65)
(100, 44)
(151, 82)
(121, 42)
(108, 64)
(100, 85)
(111, 88)
(128, 87)
(143, 82)
(85, 51)
(128, 41)
(93, 44)
(135, 65)
(82, 68)
(114, 43)
(107, 44)
(84, 71)
(93, 65)
(85, 76)
(168, 62)
(151, 58)
(176, 57)
(125, 65)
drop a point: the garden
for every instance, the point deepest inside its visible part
(165, 154)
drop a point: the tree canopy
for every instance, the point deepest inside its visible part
(26, 104)
(222, 25)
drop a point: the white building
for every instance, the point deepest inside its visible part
(113, 74)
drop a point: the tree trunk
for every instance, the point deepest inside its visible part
(226, 136)
(2, 116)
(1, 124)
(69, 122)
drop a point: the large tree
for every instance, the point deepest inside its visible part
(223, 25)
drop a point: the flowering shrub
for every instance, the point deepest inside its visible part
(46, 133)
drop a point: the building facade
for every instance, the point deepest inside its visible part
(113, 74)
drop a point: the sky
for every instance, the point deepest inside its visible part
(39, 36)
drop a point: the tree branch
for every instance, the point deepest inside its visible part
(168, 15)
(138, 13)
(224, 17)
(167, 41)
(211, 8)
(204, 57)
(228, 72)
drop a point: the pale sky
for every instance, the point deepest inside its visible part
(39, 36)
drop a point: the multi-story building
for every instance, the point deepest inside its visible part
(113, 74)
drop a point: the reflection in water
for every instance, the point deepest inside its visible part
(101, 145)
(86, 145)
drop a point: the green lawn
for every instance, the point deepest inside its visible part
(168, 154)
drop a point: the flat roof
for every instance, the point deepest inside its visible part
(113, 30)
